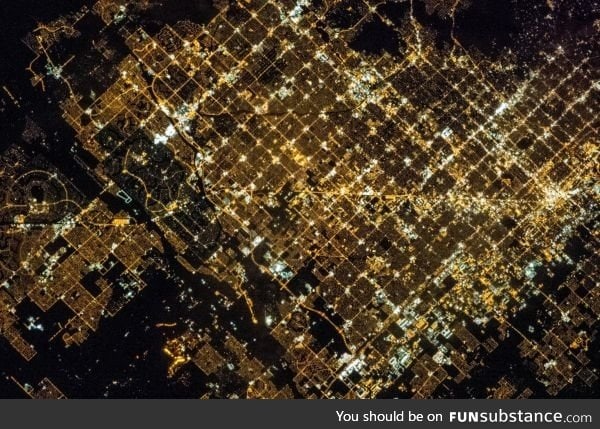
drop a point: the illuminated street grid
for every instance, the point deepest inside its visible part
(412, 206)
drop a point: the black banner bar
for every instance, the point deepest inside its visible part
(305, 414)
